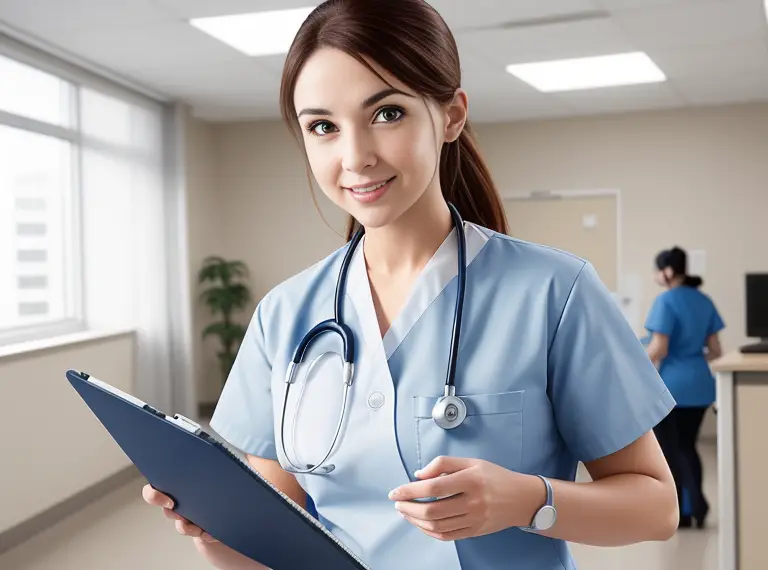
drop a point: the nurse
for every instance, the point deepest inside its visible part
(548, 370)
(684, 324)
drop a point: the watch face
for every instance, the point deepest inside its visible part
(545, 518)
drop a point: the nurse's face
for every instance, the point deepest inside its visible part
(372, 149)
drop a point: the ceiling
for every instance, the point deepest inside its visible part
(712, 51)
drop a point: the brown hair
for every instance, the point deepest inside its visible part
(411, 41)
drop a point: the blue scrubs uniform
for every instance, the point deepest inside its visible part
(549, 369)
(689, 318)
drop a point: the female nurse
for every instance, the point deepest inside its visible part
(684, 325)
(548, 371)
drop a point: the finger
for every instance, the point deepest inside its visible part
(436, 510)
(173, 515)
(444, 464)
(155, 497)
(452, 484)
(442, 528)
(186, 528)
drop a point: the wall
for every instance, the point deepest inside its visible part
(205, 238)
(697, 178)
(53, 447)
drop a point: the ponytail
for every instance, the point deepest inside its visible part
(466, 182)
(693, 281)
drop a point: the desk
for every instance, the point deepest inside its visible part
(742, 434)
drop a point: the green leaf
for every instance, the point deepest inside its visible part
(228, 333)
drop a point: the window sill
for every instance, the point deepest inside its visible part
(29, 347)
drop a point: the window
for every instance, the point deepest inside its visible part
(35, 94)
(78, 162)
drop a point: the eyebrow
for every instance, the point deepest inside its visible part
(370, 101)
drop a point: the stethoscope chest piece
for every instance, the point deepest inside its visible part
(449, 412)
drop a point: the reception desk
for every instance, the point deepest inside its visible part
(742, 432)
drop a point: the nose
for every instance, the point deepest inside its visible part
(359, 151)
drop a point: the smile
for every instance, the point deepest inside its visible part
(372, 188)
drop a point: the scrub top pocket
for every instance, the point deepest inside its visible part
(492, 430)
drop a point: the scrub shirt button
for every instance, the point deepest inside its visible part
(375, 400)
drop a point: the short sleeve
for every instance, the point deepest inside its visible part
(243, 415)
(604, 389)
(661, 318)
(716, 323)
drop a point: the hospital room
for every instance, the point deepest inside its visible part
(383, 284)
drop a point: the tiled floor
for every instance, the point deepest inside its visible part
(120, 532)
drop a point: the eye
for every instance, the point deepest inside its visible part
(389, 115)
(321, 128)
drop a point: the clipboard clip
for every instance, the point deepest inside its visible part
(185, 423)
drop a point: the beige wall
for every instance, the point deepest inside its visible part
(205, 238)
(697, 178)
(53, 447)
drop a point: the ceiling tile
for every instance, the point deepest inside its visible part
(616, 5)
(708, 22)
(580, 39)
(715, 59)
(152, 47)
(724, 88)
(493, 109)
(205, 8)
(41, 17)
(622, 99)
(463, 14)
(189, 79)
(482, 78)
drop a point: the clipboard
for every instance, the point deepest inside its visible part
(211, 486)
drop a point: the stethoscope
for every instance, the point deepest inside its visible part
(450, 410)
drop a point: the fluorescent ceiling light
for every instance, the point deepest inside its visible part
(589, 72)
(259, 33)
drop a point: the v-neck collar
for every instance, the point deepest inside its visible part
(435, 276)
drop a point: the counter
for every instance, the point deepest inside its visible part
(742, 434)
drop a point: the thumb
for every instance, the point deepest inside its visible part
(443, 465)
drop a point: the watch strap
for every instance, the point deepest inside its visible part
(550, 502)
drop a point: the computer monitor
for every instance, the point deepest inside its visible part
(757, 311)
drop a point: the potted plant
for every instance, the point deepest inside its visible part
(227, 293)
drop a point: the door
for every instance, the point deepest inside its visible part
(584, 224)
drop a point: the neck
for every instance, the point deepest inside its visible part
(408, 244)
(676, 282)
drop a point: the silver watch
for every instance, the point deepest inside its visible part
(545, 517)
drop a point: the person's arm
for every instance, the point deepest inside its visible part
(631, 498)
(658, 348)
(714, 350)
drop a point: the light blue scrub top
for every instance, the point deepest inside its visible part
(550, 371)
(689, 318)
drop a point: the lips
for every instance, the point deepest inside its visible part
(368, 194)
(359, 189)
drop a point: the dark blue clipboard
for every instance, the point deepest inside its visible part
(212, 487)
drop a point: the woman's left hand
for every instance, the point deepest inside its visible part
(484, 498)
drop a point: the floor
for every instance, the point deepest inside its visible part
(120, 532)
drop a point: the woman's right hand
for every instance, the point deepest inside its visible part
(218, 554)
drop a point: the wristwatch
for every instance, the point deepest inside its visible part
(545, 517)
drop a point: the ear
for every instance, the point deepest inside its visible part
(456, 115)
